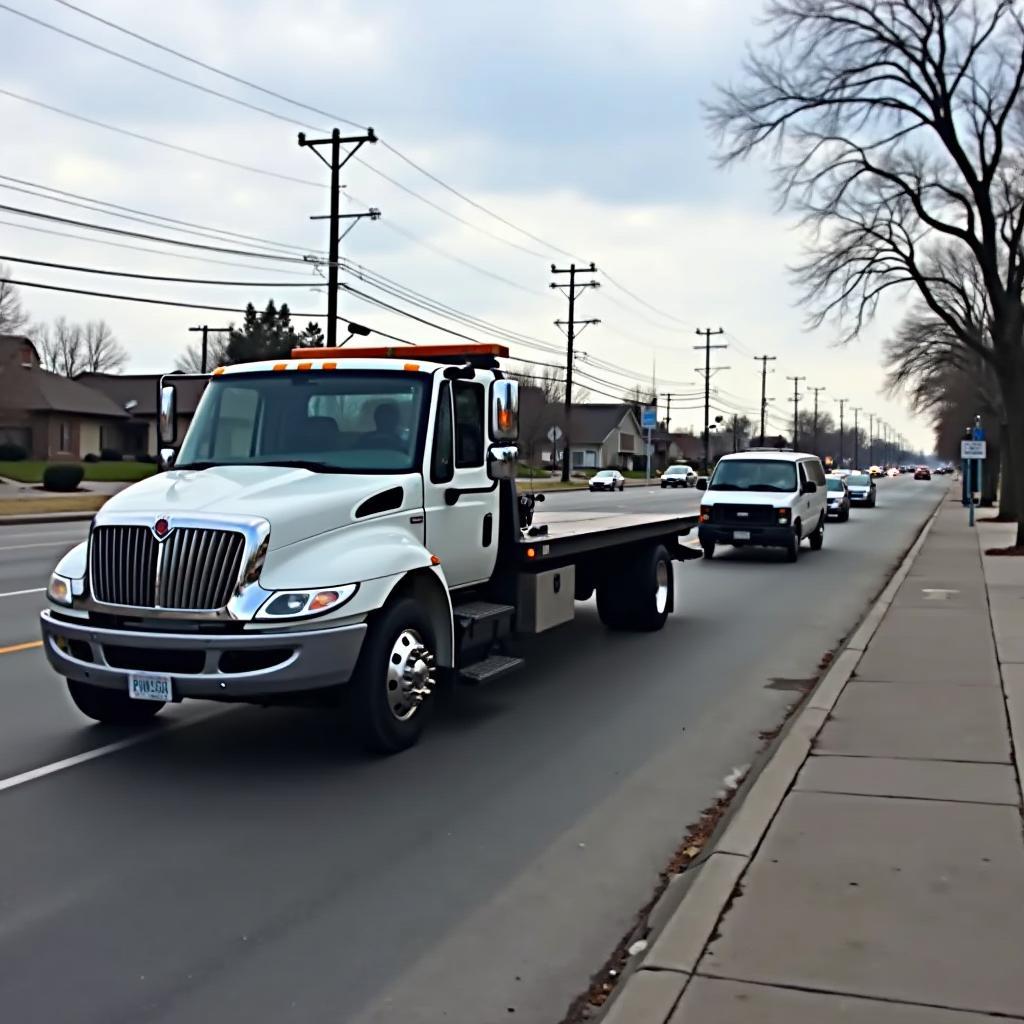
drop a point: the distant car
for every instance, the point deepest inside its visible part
(876, 471)
(608, 480)
(679, 476)
(922, 473)
(838, 498)
(862, 489)
(894, 472)
(841, 472)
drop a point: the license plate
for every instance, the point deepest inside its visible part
(149, 686)
(741, 535)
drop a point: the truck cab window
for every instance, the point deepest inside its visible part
(469, 424)
(442, 462)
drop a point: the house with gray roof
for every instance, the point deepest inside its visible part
(604, 436)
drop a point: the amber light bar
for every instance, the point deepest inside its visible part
(401, 352)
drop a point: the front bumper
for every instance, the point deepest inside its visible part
(221, 666)
(858, 499)
(760, 536)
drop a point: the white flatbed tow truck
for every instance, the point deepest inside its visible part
(340, 529)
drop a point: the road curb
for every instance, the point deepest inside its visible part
(46, 517)
(680, 944)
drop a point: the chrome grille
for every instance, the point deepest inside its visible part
(193, 569)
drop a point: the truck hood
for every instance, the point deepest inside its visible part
(296, 502)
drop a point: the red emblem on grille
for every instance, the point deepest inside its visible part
(161, 527)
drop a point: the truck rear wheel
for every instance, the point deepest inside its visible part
(114, 707)
(391, 688)
(637, 594)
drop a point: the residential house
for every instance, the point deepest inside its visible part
(51, 417)
(137, 395)
(605, 436)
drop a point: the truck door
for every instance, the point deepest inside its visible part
(460, 502)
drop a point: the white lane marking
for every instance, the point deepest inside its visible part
(111, 748)
(18, 593)
(38, 544)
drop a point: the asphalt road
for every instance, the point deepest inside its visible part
(252, 866)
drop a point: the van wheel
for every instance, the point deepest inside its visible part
(793, 550)
(844, 516)
(818, 537)
(114, 707)
(390, 691)
(637, 594)
(708, 547)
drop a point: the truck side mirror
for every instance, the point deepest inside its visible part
(702, 483)
(502, 461)
(167, 428)
(505, 410)
(809, 487)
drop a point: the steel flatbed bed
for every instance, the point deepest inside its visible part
(575, 533)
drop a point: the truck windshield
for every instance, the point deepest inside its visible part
(332, 422)
(754, 475)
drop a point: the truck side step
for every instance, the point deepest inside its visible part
(488, 670)
(472, 613)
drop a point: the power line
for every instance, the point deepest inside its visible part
(158, 142)
(335, 117)
(268, 242)
(153, 277)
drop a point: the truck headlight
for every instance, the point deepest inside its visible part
(58, 590)
(783, 514)
(294, 604)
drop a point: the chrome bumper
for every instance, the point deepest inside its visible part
(305, 660)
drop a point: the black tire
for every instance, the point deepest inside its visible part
(708, 547)
(113, 707)
(818, 537)
(637, 592)
(377, 726)
(622, 486)
(663, 485)
(844, 516)
(793, 549)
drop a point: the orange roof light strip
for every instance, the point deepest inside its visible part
(400, 352)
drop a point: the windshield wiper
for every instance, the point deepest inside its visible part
(768, 487)
(724, 487)
(202, 465)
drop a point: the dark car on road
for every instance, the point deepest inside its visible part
(862, 489)
(837, 498)
(922, 473)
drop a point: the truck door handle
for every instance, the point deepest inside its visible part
(452, 494)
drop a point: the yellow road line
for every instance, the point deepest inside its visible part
(14, 648)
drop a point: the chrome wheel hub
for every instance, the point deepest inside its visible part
(661, 587)
(412, 674)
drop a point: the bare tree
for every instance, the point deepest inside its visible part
(61, 348)
(101, 351)
(13, 318)
(897, 131)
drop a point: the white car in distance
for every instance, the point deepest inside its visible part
(679, 476)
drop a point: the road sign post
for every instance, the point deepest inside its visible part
(972, 453)
(649, 420)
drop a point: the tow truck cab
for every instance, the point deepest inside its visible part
(341, 523)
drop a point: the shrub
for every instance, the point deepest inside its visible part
(12, 452)
(111, 455)
(64, 477)
(91, 457)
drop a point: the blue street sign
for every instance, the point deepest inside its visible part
(649, 417)
(979, 433)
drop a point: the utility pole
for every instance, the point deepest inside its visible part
(764, 361)
(817, 391)
(206, 344)
(842, 405)
(571, 324)
(336, 163)
(796, 407)
(871, 439)
(708, 333)
(856, 437)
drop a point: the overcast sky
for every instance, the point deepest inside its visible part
(579, 122)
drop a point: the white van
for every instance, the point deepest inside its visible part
(764, 497)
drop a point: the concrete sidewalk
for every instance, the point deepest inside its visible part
(874, 872)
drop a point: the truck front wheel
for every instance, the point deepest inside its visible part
(390, 692)
(637, 593)
(111, 706)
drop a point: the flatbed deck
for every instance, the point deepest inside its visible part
(572, 533)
